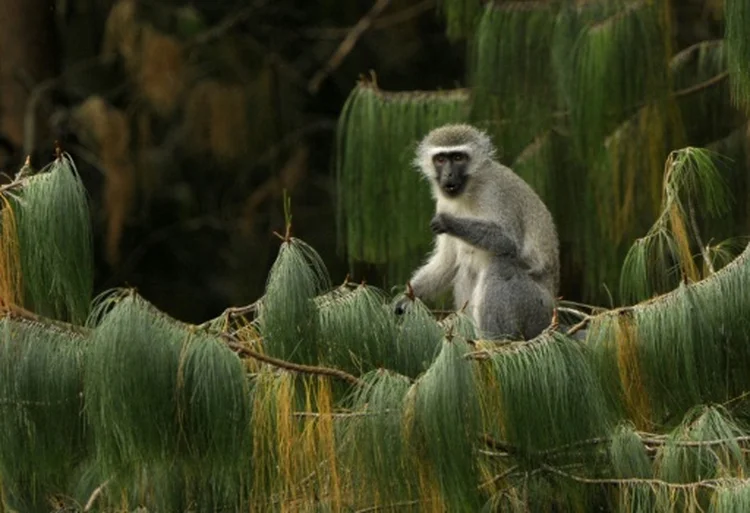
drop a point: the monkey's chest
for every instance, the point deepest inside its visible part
(472, 260)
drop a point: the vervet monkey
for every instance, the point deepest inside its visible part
(496, 241)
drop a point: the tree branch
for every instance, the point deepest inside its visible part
(242, 350)
(702, 85)
(403, 504)
(227, 24)
(95, 495)
(707, 483)
(13, 311)
(380, 23)
(346, 46)
(18, 312)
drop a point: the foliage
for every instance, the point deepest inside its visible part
(55, 250)
(320, 398)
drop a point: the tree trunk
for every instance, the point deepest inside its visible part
(28, 56)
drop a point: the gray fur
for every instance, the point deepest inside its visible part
(496, 242)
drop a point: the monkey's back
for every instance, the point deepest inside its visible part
(515, 199)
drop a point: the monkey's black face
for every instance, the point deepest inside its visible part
(451, 171)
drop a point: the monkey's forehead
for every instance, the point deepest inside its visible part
(457, 136)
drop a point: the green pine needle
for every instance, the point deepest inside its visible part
(54, 231)
(42, 435)
(447, 424)
(287, 314)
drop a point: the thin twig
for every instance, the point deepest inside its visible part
(383, 22)
(232, 312)
(707, 483)
(697, 234)
(573, 311)
(15, 184)
(95, 495)
(578, 327)
(649, 439)
(341, 415)
(242, 350)
(346, 46)
(18, 312)
(499, 477)
(227, 24)
(388, 506)
(702, 85)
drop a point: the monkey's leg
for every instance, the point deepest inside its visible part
(481, 234)
(464, 287)
(493, 314)
(438, 273)
(513, 305)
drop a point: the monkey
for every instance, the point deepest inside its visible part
(495, 241)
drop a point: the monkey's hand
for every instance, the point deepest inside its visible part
(439, 224)
(402, 304)
(485, 235)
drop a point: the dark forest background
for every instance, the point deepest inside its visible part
(188, 120)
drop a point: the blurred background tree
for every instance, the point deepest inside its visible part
(189, 119)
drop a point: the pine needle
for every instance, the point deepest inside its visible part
(287, 315)
(54, 235)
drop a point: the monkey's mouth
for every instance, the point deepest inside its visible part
(452, 189)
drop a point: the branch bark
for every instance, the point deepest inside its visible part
(241, 350)
(346, 46)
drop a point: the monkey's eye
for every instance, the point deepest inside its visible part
(440, 159)
(459, 157)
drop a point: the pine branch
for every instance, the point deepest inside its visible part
(15, 184)
(341, 415)
(706, 483)
(231, 313)
(18, 312)
(242, 350)
(234, 344)
(499, 477)
(403, 504)
(702, 85)
(650, 440)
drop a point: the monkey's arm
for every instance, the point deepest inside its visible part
(485, 235)
(438, 273)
